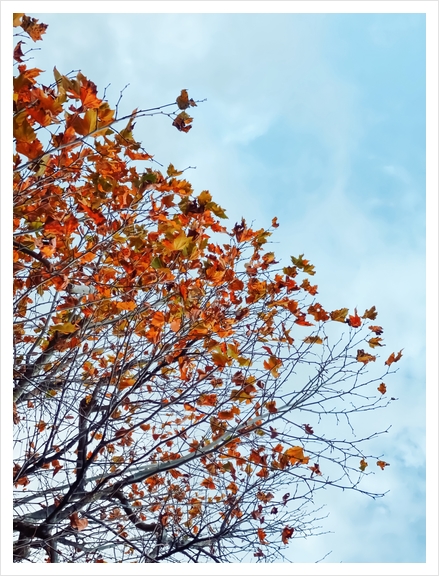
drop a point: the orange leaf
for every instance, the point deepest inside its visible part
(207, 400)
(208, 483)
(228, 414)
(382, 388)
(41, 426)
(31, 26)
(363, 465)
(126, 305)
(78, 523)
(273, 364)
(262, 535)
(382, 464)
(296, 455)
(393, 358)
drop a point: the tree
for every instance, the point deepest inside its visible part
(173, 384)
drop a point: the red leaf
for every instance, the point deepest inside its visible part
(287, 532)
(354, 321)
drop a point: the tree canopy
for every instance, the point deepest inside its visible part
(173, 382)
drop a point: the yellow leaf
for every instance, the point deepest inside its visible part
(373, 342)
(339, 315)
(66, 328)
(118, 459)
(180, 242)
(17, 18)
(364, 357)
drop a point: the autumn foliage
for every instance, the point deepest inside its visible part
(172, 381)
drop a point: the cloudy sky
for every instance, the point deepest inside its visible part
(320, 120)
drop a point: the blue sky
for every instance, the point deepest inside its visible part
(318, 119)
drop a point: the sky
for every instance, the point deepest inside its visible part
(318, 119)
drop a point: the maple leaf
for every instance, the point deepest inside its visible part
(315, 469)
(382, 388)
(31, 27)
(308, 429)
(66, 328)
(371, 314)
(393, 358)
(363, 465)
(382, 464)
(364, 357)
(303, 265)
(377, 329)
(273, 364)
(78, 523)
(271, 406)
(374, 342)
(339, 315)
(317, 311)
(262, 535)
(208, 483)
(296, 456)
(355, 320)
(287, 532)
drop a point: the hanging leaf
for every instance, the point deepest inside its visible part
(339, 315)
(78, 523)
(287, 532)
(183, 100)
(303, 265)
(374, 342)
(370, 314)
(364, 357)
(393, 358)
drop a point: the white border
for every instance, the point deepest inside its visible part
(430, 8)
